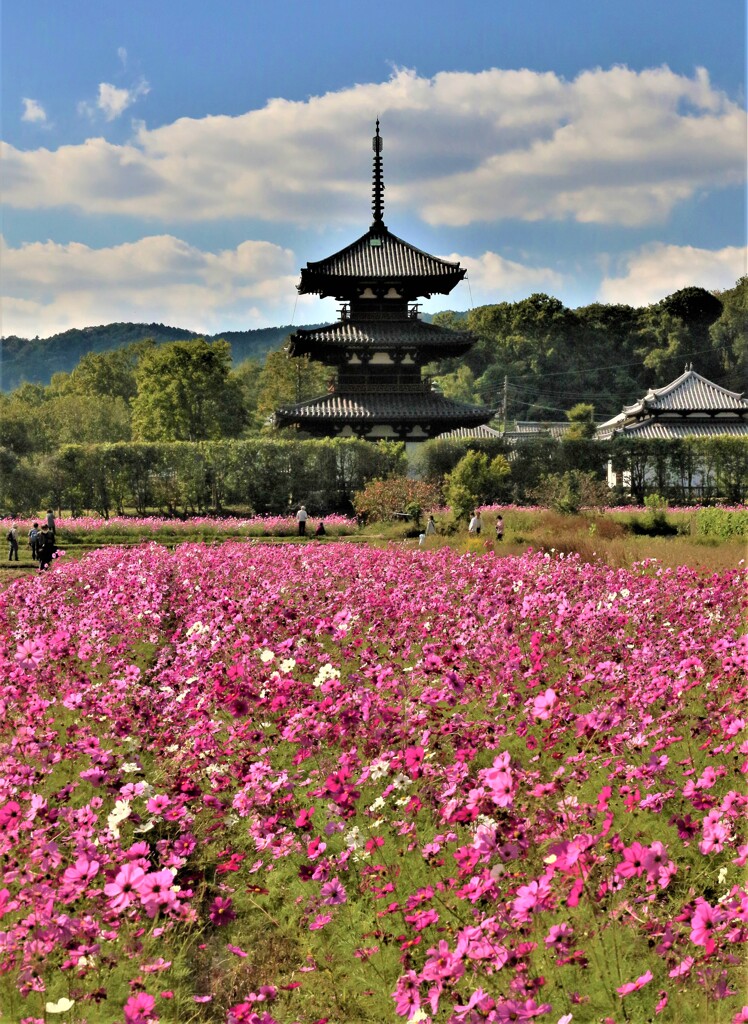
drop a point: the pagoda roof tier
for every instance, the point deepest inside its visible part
(408, 408)
(356, 336)
(380, 257)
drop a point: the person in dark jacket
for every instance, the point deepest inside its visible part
(34, 540)
(13, 543)
(45, 547)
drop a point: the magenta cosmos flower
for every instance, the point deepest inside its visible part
(126, 886)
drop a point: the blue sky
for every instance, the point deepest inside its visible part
(179, 162)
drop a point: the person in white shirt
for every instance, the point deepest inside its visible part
(475, 524)
(301, 518)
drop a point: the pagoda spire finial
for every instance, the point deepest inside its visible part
(377, 191)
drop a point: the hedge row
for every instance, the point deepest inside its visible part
(184, 478)
(272, 475)
(685, 471)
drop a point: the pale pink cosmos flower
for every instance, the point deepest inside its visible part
(634, 986)
(319, 922)
(543, 704)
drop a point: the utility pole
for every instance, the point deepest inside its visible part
(504, 403)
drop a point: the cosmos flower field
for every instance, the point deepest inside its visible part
(249, 784)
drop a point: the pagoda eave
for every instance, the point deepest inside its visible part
(346, 288)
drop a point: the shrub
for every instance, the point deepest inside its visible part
(722, 523)
(383, 500)
(568, 492)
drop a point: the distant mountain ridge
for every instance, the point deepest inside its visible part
(36, 360)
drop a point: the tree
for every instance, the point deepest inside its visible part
(476, 481)
(582, 420)
(286, 381)
(186, 393)
(729, 334)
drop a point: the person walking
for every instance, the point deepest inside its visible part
(475, 524)
(301, 518)
(13, 543)
(499, 527)
(34, 540)
(51, 525)
(431, 527)
(45, 547)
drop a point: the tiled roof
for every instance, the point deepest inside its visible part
(528, 428)
(669, 430)
(482, 430)
(388, 257)
(406, 408)
(689, 392)
(381, 334)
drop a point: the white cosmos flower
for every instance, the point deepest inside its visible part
(61, 1006)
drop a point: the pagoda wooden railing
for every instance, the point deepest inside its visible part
(379, 314)
(384, 383)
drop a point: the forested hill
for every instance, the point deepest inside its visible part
(24, 359)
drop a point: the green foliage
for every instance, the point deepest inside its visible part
(582, 420)
(569, 492)
(476, 480)
(384, 500)
(723, 523)
(182, 478)
(185, 393)
(286, 381)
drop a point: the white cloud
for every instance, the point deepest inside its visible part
(611, 147)
(659, 270)
(33, 111)
(113, 101)
(495, 279)
(122, 54)
(158, 279)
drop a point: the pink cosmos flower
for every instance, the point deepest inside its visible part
(634, 986)
(81, 872)
(156, 891)
(543, 704)
(125, 887)
(703, 923)
(319, 922)
(500, 783)
(741, 1016)
(30, 653)
(333, 892)
(632, 864)
(158, 804)
(139, 1009)
(221, 911)
(442, 964)
(407, 994)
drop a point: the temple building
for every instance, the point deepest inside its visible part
(690, 406)
(379, 346)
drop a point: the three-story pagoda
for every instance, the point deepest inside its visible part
(379, 345)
